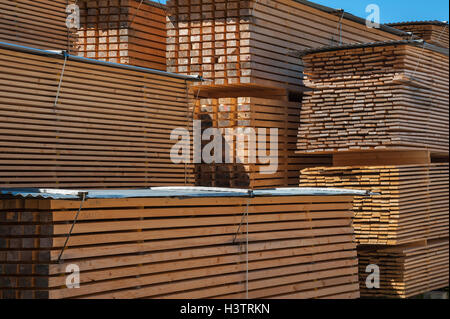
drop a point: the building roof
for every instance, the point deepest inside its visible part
(417, 43)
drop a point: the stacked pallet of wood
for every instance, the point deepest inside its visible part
(411, 201)
(40, 24)
(123, 31)
(434, 32)
(247, 126)
(72, 123)
(155, 244)
(409, 270)
(376, 97)
(250, 42)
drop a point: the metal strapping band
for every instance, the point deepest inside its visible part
(83, 198)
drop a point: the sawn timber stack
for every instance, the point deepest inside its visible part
(123, 31)
(78, 123)
(380, 96)
(434, 32)
(410, 202)
(39, 24)
(249, 43)
(260, 137)
(408, 270)
(179, 244)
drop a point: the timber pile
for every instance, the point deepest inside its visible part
(167, 247)
(123, 31)
(434, 32)
(376, 97)
(39, 24)
(109, 127)
(412, 202)
(409, 270)
(250, 42)
(249, 167)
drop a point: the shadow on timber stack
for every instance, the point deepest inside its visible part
(381, 110)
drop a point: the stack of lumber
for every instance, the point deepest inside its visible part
(123, 31)
(411, 201)
(102, 126)
(409, 270)
(379, 96)
(250, 42)
(39, 23)
(434, 32)
(179, 247)
(249, 160)
(384, 104)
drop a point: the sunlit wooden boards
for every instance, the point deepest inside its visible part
(376, 97)
(123, 31)
(109, 127)
(259, 136)
(36, 23)
(250, 42)
(434, 32)
(410, 203)
(180, 247)
(407, 270)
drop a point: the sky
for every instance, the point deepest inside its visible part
(393, 10)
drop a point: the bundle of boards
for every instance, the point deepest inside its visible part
(409, 270)
(250, 42)
(123, 31)
(39, 24)
(173, 245)
(82, 124)
(376, 97)
(410, 202)
(434, 32)
(260, 134)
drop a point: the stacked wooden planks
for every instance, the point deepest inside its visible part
(409, 270)
(123, 31)
(434, 32)
(102, 126)
(382, 110)
(247, 126)
(39, 23)
(179, 246)
(376, 97)
(411, 204)
(250, 42)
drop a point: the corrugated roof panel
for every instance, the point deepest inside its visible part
(187, 192)
(416, 43)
